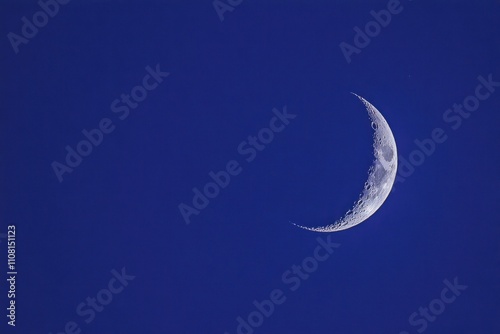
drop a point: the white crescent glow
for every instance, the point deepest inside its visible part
(381, 176)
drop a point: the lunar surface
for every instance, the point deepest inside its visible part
(381, 176)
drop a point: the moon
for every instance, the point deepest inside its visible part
(381, 175)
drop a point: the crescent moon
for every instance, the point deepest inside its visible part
(381, 176)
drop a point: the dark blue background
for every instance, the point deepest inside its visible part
(119, 208)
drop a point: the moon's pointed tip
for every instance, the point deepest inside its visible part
(291, 222)
(359, 97)
(313, 229)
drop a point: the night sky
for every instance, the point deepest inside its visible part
(154, 153)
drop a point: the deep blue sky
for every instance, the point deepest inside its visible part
(119, 207)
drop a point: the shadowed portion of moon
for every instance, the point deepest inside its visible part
(381, 176)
